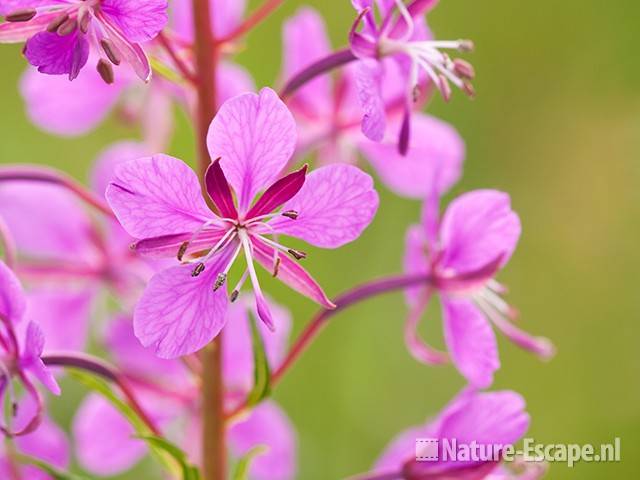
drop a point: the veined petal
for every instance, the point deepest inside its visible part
(138, 21)
(278, 193)
(335, 205)
(54, 54)
(255, 136)
(219, 191)
(104, 438)
(132, 53)
(470, 341)
(12, 300)
(476, 228)
(156, 196)
(290, 273)
(179, 314)
(369, 84)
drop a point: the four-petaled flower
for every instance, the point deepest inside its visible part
(158, 201)
(60, 34)
(462, 252)
(401, 37)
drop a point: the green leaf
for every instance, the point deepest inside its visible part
(189, 472)
(103, 388)
(261, 371)
(241, 471)
(48, 469)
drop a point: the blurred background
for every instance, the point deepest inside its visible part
(556, 123)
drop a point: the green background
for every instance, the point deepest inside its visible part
(556, 124)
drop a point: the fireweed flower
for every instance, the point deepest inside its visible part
(402, 37)
(504, 421)
(167, 391)
(60, 34)
(328, 116)
(463, 252)
(158, 201)
(20, 349)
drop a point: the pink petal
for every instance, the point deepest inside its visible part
(369, 84)
(104, 168)
(267, 425)
(477, 228)
(63, 314)
(470, 341)
(179, 314)
(238, 349)
(434, 159)
(415, 259)
(335, 205)
(61, 107)
(291, 273)
(278, 193)
(13, 303)
(219, 191)
(104, 438)
(157, 196)
(255, 136)
(49, 443)
(138, 21)
(232, 80)
(57, 55)
(399, 451)
(305, 41)
(30, 359)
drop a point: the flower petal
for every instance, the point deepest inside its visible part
(278, 193)
(290, 273)
(415, 259)
(232, 80)
(219, 191)
(104, 439)
(470, 341)
(434, 160)
(13, 303)
(54, 54)
(477, 228)
(179, 314)
(369, 84)
(59, 106)
(335, 205)
(267, 425)
(156, 196)
(255, 136)
(138, 21)
(31, 361)
(104, 168)
(305, 41)
(48, 443)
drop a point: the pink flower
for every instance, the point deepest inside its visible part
(328, 116)
(401, 37)
(491, 419)
(61, 33)
(20, 348)
(463, 251)
(158, 201)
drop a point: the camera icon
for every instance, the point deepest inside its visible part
(427, 449)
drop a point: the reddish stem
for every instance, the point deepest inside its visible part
(351, 297)
(16, 173)
(266, 9)
(175, 57)
(100, 367)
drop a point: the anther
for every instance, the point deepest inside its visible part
(55, 24)
(297, 254)
(21, 15)
(468, 89)
(292, 214)
(234, 296)
(415, 93)
(463, 69)
(465, 45)
(110, 51)
(276, 267)
(182, 250)
(67, 27)
(222, 277)
(444, 87)
(106, 71)
(84, 19)
(198, 270)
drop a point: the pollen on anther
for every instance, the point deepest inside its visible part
(198, 270)
(297, 254)
(182, 250)
(234, 296)
(222, 277)
(21, 15)
(292, 214)
(276, 267)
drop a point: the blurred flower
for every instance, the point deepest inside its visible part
(158, 200)
(169, 393)
(463, 251)
(328, 117)
(21, 347)
(60, 34)
(402, 37)
(493, 419)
